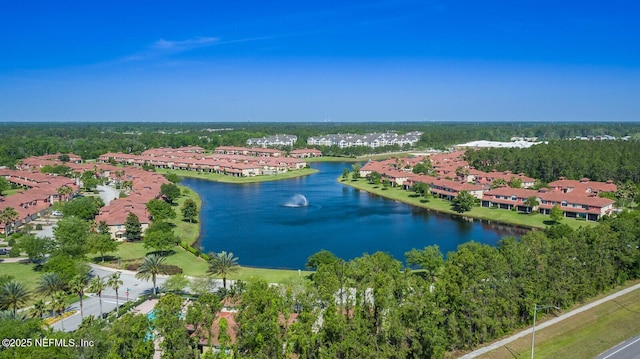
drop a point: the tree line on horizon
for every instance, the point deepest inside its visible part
(90, 140)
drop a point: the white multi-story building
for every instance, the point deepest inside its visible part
(370, 139)
(272, 141)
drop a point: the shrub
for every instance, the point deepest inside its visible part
(133, 266)
(171, 269)
(14, 252)
(205, 256)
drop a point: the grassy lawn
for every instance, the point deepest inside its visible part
(230, 179)
(584, 335)
(131, 252)
(440, 205)
(269, 275)
(187, 232)
(23, 272)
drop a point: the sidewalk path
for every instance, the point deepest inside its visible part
(14, 260)
(553, 321)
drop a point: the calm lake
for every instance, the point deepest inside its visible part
(279, 224)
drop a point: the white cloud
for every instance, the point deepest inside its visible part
(184, 45)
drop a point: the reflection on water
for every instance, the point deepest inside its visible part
(258, 224)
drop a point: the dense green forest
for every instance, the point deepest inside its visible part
(374, 307)
(598, 160)
(90, 140)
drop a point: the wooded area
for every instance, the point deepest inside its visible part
(597, 160)
(93, 139)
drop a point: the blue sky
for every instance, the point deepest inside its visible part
(319, 61)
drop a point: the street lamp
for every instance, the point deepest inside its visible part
(533, 332)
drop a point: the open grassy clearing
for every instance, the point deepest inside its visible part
(23, 272)
(584, 335)
(231, 179)
(440, 205)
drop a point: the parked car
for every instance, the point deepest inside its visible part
(57, 213)
(3, 251)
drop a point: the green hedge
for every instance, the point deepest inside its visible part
(194, 251)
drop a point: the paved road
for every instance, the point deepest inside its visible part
(107, 193)
(48, 223)
(627, 350)
(548, 323)
(91, 306)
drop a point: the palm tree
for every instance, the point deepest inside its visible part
(115, 282)
(8, 216)
(13, 295)
(97, 285)
(58, 306)
(77, 286)
(38, 309)
(150, 268)
(63, 192)
(222, 264)
(9, 315)
(50, 283)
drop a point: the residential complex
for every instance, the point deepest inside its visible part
(273, 141)
(39, 193)
(452, 175)
(372, 140)
(42, 190)
(228, 160)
